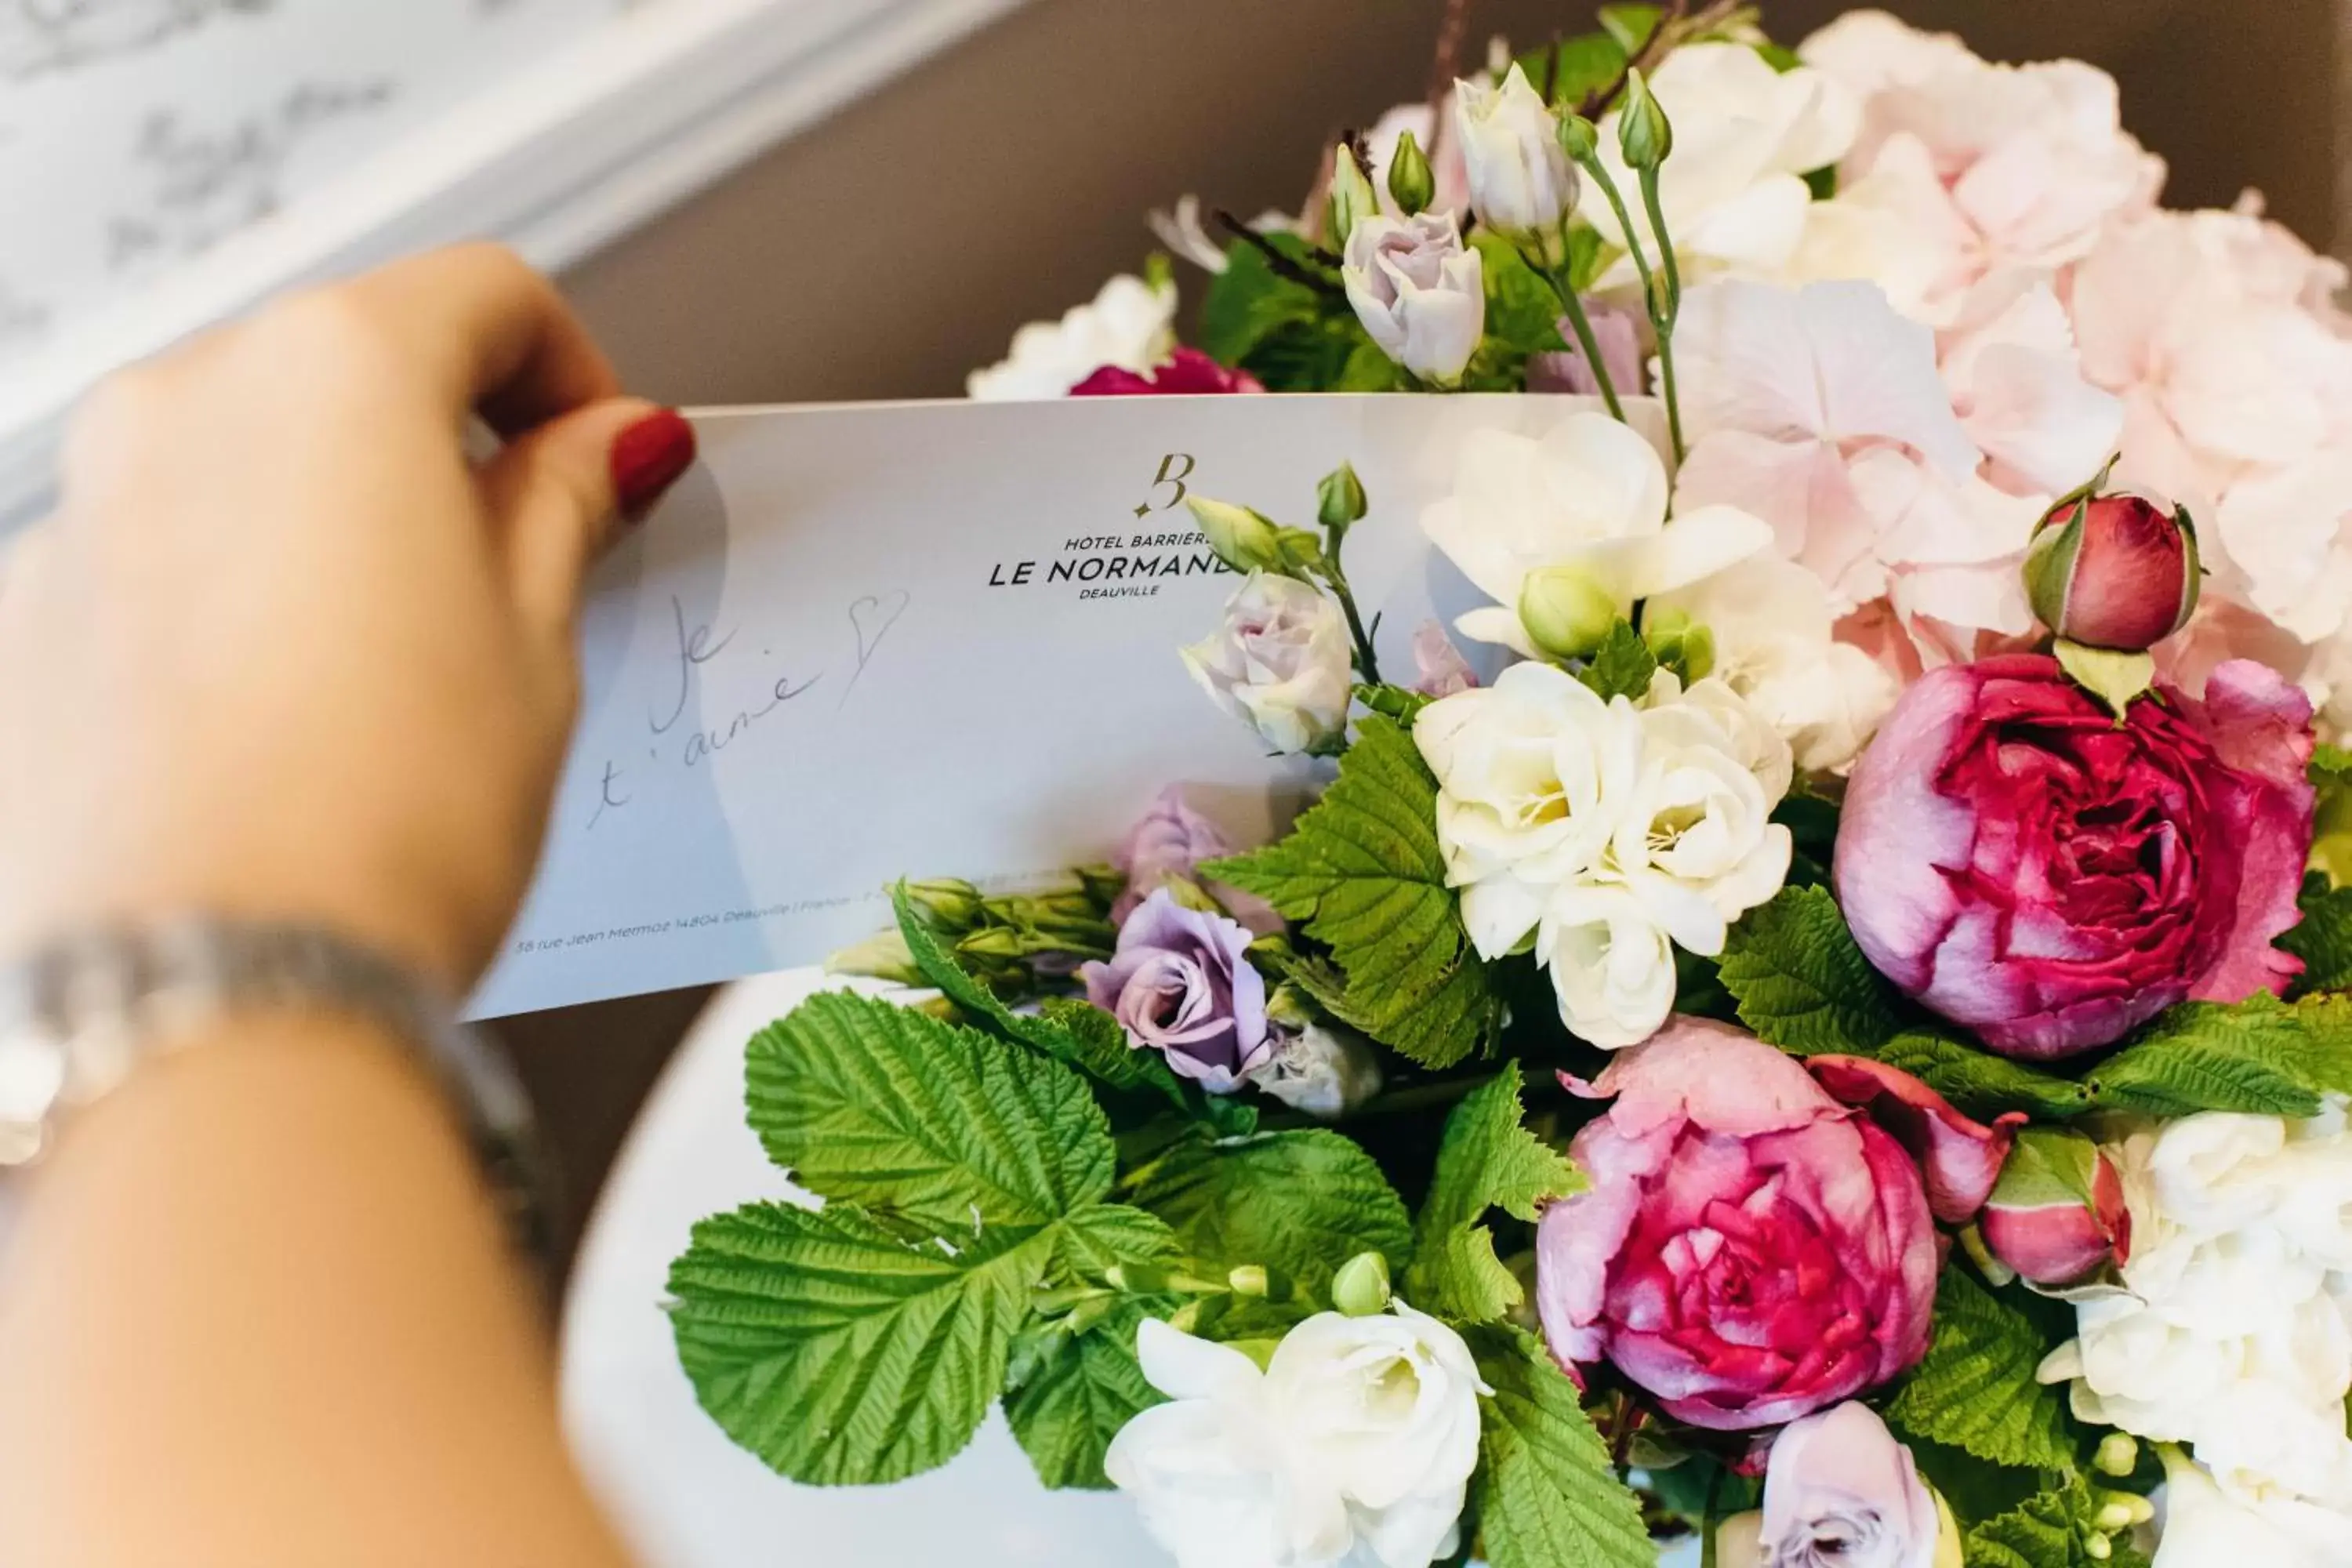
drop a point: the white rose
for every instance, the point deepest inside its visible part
(1324, 1072)
(1612, 966)
(1694, 840)
(1528, 772)
(1521, 180)
(1418, 291)
(1379, 1423)
(1772, 623)
(1734, 191)
(1130, 324)
(1354, 1444)
(1590, 494)
(1281, 662)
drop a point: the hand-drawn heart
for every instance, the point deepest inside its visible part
(873, 615)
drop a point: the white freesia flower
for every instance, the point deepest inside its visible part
(2205, 1526)
(1521, 180)
(1529, 772)
(1589, 494)
(1130, 324)
(1601, 828)
(1695, 842)
(1354, 1447)
(1280, 661)
(1419, 292)
(1611, 964)
(2230, 1334)
(1734, 191)
(1323, 1071)
(1775, 645)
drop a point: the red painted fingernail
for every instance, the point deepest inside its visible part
(649, 456)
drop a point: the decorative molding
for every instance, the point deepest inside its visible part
(650, 107)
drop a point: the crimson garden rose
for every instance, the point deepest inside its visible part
(2022, 864)
(1751, 1249)
(1186, 372)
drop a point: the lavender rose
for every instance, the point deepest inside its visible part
(1168, 843)
(1840, 1492)
(2017, 861)
(1179, 984)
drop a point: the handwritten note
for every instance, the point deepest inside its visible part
(867, 641)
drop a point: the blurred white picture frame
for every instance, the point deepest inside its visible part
(633, 106)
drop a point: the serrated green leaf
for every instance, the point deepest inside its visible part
(1545, 1491)
(1623, 665)
(1066, 1394)
(1802, 982)
(1975, 1390)
(1303, 1203)
(2048, 1530)
(1980, 1083)
(882, 1106)
(2202, 1056)
(2323, 940)
(840, 1352)
(1522, 311)
(2330, 762)
(1488, 1160)
(1065, 1030)
(1363, 870)
(1292, 337)
(1586, 65)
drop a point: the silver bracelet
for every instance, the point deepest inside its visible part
(80, 1015)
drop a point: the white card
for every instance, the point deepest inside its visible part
(868, 641)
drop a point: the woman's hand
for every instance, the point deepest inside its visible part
(284, 650)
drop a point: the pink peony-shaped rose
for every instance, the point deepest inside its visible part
(2024, 864)
(1187, 372)
(1751, 1249)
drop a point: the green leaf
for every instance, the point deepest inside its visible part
(1622, 666)
(1980, 1083)
(2049, 1530)
(1522, 311)
(2324, 939)
(841, 1353)
(1587, 63)
(1630, 25)
(2329, 762)
(1065, 1030)
(1303, 1203)
(2202, 1056)
(1801, 981)
(1545, 1491)
(882, 1106)
(1066, 1394)
(1363, 870)
(1400, 703)
(1292, 337)
(1488, 1160)
(1368, 369)
(1975, 1390)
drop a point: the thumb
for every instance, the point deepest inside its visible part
(559, 493)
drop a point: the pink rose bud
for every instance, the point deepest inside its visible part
(2114, 572)
(2057, 1215)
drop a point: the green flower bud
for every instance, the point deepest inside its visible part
(1360, 1289)
(1567, 612)
(1352, 198)
(2118, 1454)
(1103, 884)
(1410, 180)
(884, 956)
(1579, 137)
(999, 942)
(947, 903)
(1244, 539)
(1680, 643)
(1643, 135)
(1340, 499)
(1248, 1280)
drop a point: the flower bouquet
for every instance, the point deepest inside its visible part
(1818, 1027)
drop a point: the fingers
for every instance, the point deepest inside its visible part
(559, 492)
(498, 337)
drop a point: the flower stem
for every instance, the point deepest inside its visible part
(1368, 666)
(1664, 309)
(1582, 325)
(1711, 1521)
